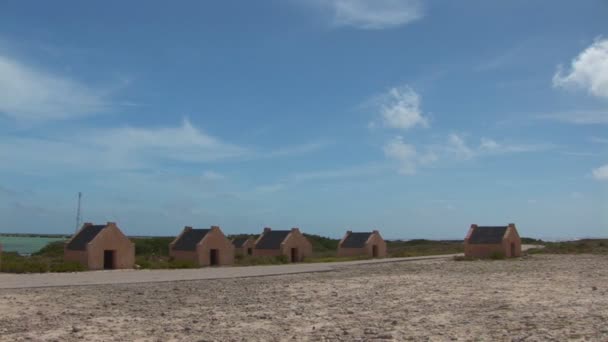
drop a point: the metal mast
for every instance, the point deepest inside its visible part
(78, 212)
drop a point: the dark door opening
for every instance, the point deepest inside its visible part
(249, 251)
(214, 258)
(374, 251)
(294, 255)
(108, 260)
(512, 249)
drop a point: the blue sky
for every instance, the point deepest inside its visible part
(417, 118)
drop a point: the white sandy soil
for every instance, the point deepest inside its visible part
(537, 298)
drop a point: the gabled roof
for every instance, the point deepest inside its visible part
(239, 242)
(487, 235)
(189, 239)
(356, 240)
(84, 236)
(272, 239)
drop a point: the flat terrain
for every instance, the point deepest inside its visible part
(541, 297)
(14, 281)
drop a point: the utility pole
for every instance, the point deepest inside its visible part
(78, 212)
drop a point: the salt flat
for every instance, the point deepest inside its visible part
(540, 297)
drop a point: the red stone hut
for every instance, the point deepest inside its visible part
(290, 243)
(485, 241)
(99, 247)
(369, 244)
(205, 247)
(243, 246)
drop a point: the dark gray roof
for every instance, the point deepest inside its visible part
(356, 240)
(84, 236)
(272, 239)
(189, 239)
(484, 235)
(239, 242)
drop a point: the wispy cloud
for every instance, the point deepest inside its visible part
(599, 140)
(406, 155)
(350, 172)
(588, 70)
(578, 117)
(371, 14)
(346, 172)
(499, 61)
(182, 143)
(399, 108)
(454, 148)
(297, 149)
(33, 94)
(601, 173)
(128, 148)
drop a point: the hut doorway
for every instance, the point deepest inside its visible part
(512, 249)
(294, 255)
(249, 251)
(108, 259)
(374, 251)
(214, 258)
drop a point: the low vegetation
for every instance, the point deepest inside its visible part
(421, 247)
(584, 246)
(246, 260)
(48, 259)
(153, 253)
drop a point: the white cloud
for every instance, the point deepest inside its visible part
(492, 147)
(589, 70)
(578, 117)
(601, 173)
(31, 94)
(182, 143)
(372, 14)
(120, 148)
(407, 156)
(456, 146)
(400, 108)
(129, 148)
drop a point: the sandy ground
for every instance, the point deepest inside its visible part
(535, 298)
(15, 281)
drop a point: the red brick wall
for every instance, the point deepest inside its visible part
(110, 238)
(374, 239)
(295, 239)
(215, 239)
(243, 250)
(486, 250)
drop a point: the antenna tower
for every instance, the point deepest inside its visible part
(78, 212)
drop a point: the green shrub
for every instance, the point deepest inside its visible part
(180, 264)
(152, 245)
(52, 250)
(24, 265)
(261, 260)
(463, 258)
(335, 259)
(67, 266)
(497, 255)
